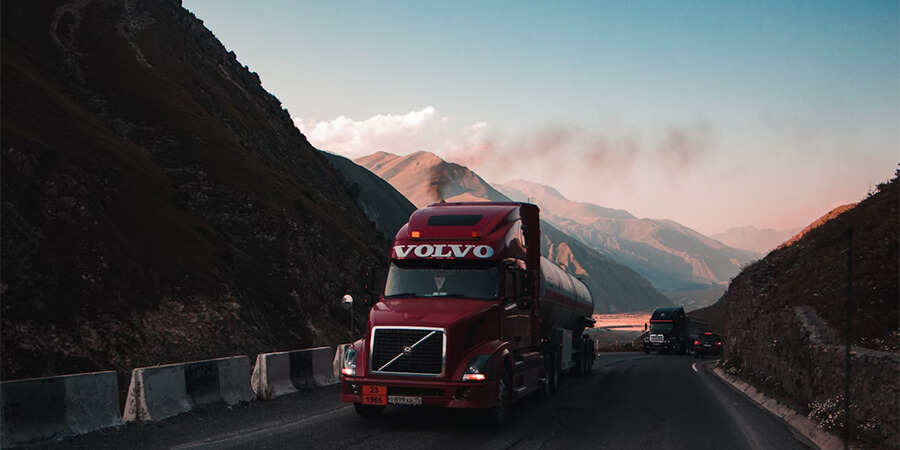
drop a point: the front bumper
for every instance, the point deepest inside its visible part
(481, 394)
(657, 346)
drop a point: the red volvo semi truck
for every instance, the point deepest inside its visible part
(470, 315)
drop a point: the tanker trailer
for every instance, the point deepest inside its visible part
(470, 315)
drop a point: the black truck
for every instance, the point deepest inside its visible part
(672, 332)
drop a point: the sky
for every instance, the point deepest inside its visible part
(713, 114)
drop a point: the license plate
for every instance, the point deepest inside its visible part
(374, 395)
(707, 345)
(401, 400)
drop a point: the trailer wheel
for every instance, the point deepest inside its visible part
(497, 414)
(368, 411)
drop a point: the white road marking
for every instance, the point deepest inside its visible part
(694, 365)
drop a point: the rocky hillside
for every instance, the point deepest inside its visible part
(672, 256)
(427, 179)
(787, 320)
(158, 205)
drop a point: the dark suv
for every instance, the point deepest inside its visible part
(708, 344)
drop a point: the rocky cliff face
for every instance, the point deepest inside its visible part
(786, 320)
(157, 204)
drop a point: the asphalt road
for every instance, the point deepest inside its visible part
(630, 400)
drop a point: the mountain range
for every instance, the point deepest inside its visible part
(425, 178)
(672, 257)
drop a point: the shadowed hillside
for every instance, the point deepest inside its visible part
(383, 204)
(158, 205)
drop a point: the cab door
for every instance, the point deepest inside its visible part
(516, 321)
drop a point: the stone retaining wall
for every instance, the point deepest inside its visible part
(794, 352)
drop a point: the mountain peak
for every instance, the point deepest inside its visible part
(549, 199)
(528, 186)
(426, 178)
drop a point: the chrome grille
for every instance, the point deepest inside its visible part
(408, 351)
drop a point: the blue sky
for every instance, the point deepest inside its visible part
(713, 114)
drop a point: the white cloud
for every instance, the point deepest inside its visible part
(399, 134)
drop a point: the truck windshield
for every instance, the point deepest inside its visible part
(465, 279)
(661, 327)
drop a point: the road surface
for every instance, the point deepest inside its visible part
(629, 400)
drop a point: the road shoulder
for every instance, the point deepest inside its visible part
(800, 423)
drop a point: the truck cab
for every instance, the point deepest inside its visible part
(467, 317)
(665, 331)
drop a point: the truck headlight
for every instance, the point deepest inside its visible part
(477, 369)
(348, 363)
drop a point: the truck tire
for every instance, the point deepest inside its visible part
(497, 415)
(551, 377)
(368, 411)
(554, 374)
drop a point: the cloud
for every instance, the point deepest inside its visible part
(682, 148)
(401, 134)
(557, 151)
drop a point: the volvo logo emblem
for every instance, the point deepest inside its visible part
(407, 350)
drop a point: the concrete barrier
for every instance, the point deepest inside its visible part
(42, 409)
(156, 393)
(282, 373)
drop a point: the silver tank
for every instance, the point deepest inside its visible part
(564, 298)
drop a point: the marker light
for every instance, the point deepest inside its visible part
(476, 234)
(415, 234)
(473, 377)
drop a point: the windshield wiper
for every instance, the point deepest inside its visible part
(402, 294)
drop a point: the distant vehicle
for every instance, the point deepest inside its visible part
(471, 315)
(708, 344)
(672, 332)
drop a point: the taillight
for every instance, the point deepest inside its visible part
(718, 344)
(696, 342)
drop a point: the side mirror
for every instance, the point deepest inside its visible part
(346, 302)
(373, 287)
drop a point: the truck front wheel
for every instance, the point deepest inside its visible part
(497, 414)
(368, 411)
